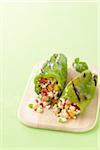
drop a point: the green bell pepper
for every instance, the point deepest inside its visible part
(81, 89)
(55, 68)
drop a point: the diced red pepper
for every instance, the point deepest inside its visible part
(43, 80)
(45, 92)
(36, 100)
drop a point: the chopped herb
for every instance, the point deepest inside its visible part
(30, 106)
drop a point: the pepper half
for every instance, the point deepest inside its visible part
(81, 90)
(56, 69)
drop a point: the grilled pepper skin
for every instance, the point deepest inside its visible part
(81, 89)
(55, 68)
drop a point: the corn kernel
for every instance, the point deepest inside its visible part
(71, 113)
(56, 87)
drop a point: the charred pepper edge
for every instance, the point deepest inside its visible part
(95, 77)
(76, 91)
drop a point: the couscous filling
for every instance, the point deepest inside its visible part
(66, 110)
(49, 94)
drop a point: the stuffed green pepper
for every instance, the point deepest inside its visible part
(51, 81)
(76, 96)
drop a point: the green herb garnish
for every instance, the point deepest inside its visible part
(79, 65)
(30, 106)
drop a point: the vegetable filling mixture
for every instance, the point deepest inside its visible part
(49, 94)
(49, 90)
(66, 110)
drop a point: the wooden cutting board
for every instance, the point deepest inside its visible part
(47, 120)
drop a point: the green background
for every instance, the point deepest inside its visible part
(30, 33)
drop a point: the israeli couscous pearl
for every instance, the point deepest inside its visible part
(62, 120)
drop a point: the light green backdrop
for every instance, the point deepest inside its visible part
(30, 33)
